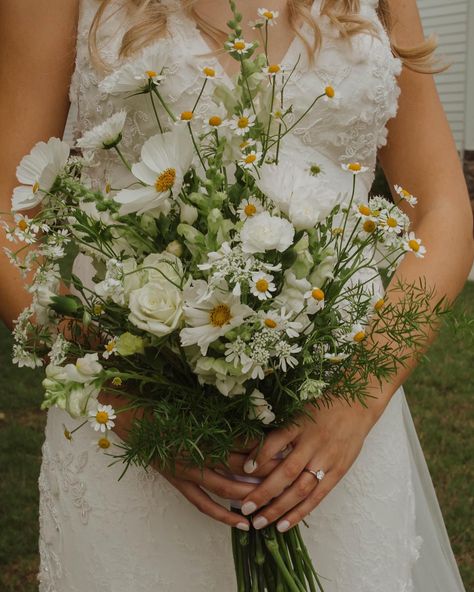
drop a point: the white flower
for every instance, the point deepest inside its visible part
(249, 207)
(284, 352)
(209, 72)
(25, 359)
(335, 358)
(121, 278)
(165, 158)
(59, 350)
(215, 119)
(239, 46)
(188, 214)
(242, 123)
(264, 232)
(236, 353)
(406, 196)
(110, 348)
(273, 69)
(139, 74)
(227, 377)
(101, 419)
(106, 135)
(38, 172)
(86, 369)
(293, 293)
(80, 399)
(315, 300)
(413, 244)
(268, 16)
(262, 285)
(357, 334)
(212, 317)
(260, 409)
(331, 96)
(394, 221)
(157, 307)
(301, 196)
(248, 160)
(280, 321)
(355, 168)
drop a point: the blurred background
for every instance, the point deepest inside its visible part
(439, 392)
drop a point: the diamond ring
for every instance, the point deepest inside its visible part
(318, 474)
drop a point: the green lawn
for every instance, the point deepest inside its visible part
(440, 396)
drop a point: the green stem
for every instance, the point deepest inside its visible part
(122, 158)
(272, 545)
(196, 146)
(165, 106)
(155, 112)
(200, 95)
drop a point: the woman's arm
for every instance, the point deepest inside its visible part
(37, 50)
(421, 155)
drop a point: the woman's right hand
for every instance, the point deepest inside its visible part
(194, 483)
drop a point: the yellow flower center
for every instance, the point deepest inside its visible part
(117, 381)
(262, 285)
(102, 417)
(414, 245)
(36, 186)
(220, 315)
(369, 226)
(392, 222)
(270, 323)
(244, 145)
(209, 72)
(250, 158)
(243, 122)
(355, 167)
(104, 443)
(22, 224)
(166, 180)
(110, 346)
(268, 15)
(364, 210)
(379, 304)
(274, 69)
(360, 336)
(97, 309)
(330, 92)
(250, 210)
(215, 121)
(337, 230)
(151, 73)
(239, 45)
(186, 115)
(317, 294)
(405, 193)
(278, 114)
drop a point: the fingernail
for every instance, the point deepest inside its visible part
(250, 466)
(248, 508)
(283, 526)
(259, 522)
(243, 526)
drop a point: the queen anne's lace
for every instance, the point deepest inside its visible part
(141, 534)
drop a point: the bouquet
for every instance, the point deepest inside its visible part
(233, 289)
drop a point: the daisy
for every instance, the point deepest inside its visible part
(280, 321)
(262, 285)
(335, 358)
(248, 143)
(249, 207)
(331, 96)
(413, 244)
(110, 349)
(165, 159)
(315, 300)
(357, 334)
(242, 123)
(406, 196)
(272, 70)
(239, 46)
(38, 172)
(393, 222)
(106, 135)
(215, 119)
(101, 418)
(212, 318)
(268, 16)
(249, 160)
(355, 168)
(102, 443)
(209, 72)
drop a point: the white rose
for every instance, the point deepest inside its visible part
(85, 369)
(188, 214)
(264, 232)
(156, 308)
(260, 408)
(163, 267)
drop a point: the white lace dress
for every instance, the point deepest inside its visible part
(380, 529)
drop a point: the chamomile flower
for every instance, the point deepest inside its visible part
(331, 96)
(357, 334)
(363, 212)
(280, 322)
(209, 72)
(335, 358)
(110, 348)
(262, 285)
(406, 196)
(249, 207)
(239, 46)
(273, 70)
(101, 419)
(393, 221)
(215, 119)
(242, 123)
(102, 443)
(268, 16)
(247, 143)
(38, 171)
(106, 135)
(315, 300)
(250, 159)
(355, 168)
(413, 244)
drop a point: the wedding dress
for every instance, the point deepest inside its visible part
(380, 529)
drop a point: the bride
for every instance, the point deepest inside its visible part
(374, 521)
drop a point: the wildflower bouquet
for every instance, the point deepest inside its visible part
(232, 289)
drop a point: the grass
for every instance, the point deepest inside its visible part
(440, 397)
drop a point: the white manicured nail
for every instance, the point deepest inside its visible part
(250, 466)
(243, 526)
(259, 522)
(248, 508)
(283, 526)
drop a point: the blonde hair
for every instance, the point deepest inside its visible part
(148, 20)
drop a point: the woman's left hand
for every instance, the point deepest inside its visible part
(330, 443)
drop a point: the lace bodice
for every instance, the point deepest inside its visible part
(352, 128)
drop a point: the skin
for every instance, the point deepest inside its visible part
(420, 155)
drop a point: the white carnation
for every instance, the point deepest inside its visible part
(264, 232)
